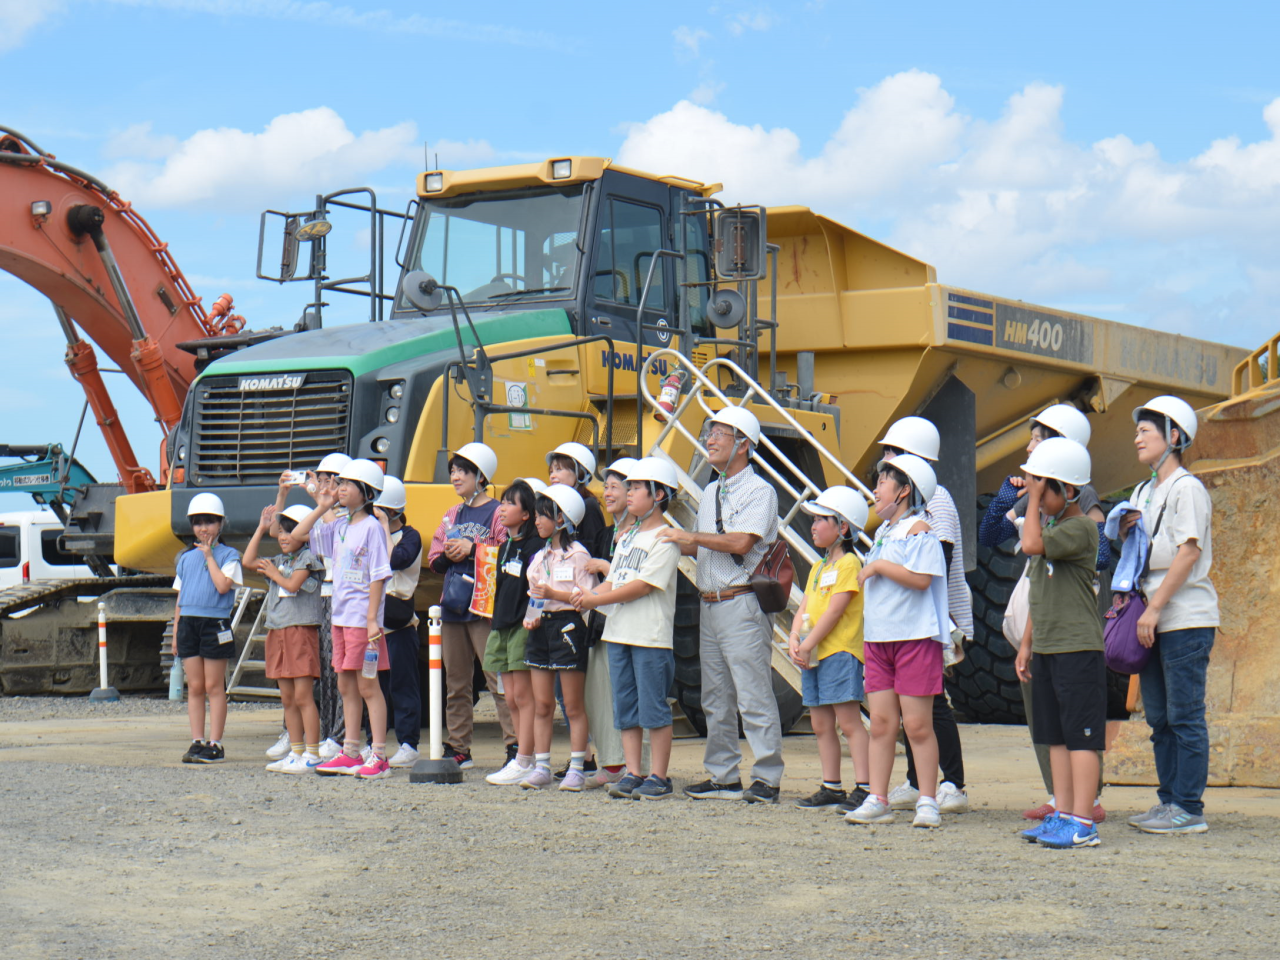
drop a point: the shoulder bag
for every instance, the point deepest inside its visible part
(775, 573)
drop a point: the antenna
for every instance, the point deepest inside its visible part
(426, 157)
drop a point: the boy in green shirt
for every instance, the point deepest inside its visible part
(1062, 648)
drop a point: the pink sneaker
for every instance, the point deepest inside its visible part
(538, 779)
(375, 769)
(603, 777)
(340, 764)
(574, 781)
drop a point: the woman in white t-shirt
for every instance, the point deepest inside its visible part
(1181, 618)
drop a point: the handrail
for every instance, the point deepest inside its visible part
(1250, 372)
(807, 488)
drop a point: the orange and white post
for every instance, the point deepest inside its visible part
(435, 689)
(102, 646)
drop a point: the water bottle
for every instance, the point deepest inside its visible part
(370, 669)
(535, 608)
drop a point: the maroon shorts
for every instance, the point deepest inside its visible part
(349, 645)
(910, 668)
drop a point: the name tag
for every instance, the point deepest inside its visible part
(512, 568)
(224, 636)
(828, 579)
(353, 576)
(285, 593)
(563, 574)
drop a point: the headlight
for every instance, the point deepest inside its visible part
(397, 390)
(434, 182)
(560, 169)
(182, 451)
(381, 445)
(393, 414)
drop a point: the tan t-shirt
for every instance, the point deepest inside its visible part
(1189, 516)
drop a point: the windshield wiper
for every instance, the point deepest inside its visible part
(520, 293)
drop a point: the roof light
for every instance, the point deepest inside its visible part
(393, 414)
(434, 182)
(561, 169)
(381, 445)
(397, 390)
(41, 208)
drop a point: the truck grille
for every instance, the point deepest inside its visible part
(248, 429)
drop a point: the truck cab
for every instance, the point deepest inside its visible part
(30, 550)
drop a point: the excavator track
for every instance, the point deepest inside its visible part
(19, 599)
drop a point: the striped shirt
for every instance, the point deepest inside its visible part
(748, 504)
(945, 521)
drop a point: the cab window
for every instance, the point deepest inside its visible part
(10, 547)
(629, 234)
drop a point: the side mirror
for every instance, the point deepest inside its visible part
(298, 228)
(740, 243)
(289, 253)
(421, 290)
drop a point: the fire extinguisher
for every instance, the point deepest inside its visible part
(668, 396)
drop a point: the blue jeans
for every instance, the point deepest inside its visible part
(1173, 696)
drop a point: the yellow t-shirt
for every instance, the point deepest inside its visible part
(825, 581)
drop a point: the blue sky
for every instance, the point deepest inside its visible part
(1117, 159)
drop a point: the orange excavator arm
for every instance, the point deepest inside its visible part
(72, 238)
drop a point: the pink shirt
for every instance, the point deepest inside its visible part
(562, 570)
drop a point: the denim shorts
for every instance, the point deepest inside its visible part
(835, 679)
(641, 677)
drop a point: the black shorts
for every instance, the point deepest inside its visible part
(1069, 699)
(198, 637)
(559, 642)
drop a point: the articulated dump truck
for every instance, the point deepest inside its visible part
(553, 301)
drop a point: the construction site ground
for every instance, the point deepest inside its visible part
(112, 848)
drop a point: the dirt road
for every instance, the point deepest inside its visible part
(114, 849)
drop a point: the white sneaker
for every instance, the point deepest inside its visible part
(509, 775)
(872, 810)
(298, 763)
(329, 749)
(927, 814)
(405, 756)
(951, 799)
(903, 797)
(279, 749)
(277, 766)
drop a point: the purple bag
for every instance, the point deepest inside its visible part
(1123, 652)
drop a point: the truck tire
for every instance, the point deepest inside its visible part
(984, 686)
(686, 689)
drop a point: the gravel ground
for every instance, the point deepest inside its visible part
(114, 849)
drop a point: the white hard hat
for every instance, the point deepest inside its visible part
(333, 463)
(393, 495)
(743, 421)
(1060, 459)
(622, 467)
(568, 500)
(655, 470)
(913, 435)
(482, 456)
(579, 454)
(364, 471)
(297, 513)
(206, 504)
(538, 485)
(1176, 409)
(918, 471)
(1066, 421)
(842, 502)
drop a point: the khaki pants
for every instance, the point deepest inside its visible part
(599, 703)
(462, 644)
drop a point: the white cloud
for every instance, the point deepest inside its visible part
(20, 17)
(1009, 204)
(137, 142)
(295, 154)
(756, 18)
(689, 40)
(705, 93)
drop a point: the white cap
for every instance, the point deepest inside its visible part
(1060, 459)
(393, 495)
(913, 435)
(297, 513)
(538, 484)
(333, 463)
(482, 456)
(743, 421)
(364, 471)
(206, 504)
(1065, 420)
(1176, 409)
(918, 471)
(568, 500)
(842, 502)
(622, 467)
(655, 470)
(579, 454)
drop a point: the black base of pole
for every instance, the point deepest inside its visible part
(104, 695)
(435, 771)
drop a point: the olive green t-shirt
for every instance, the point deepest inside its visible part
(1064, 608)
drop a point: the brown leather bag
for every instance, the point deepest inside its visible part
(773, 576)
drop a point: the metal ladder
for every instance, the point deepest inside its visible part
(247, 662)
(789, 478)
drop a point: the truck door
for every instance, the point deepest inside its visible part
(628, 230)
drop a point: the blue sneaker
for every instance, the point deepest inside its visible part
(653, 788)
(1047, 825)
(625, 789)
(1067, 834)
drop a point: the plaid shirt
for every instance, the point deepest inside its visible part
(748, 504)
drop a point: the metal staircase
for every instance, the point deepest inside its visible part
(247, 662)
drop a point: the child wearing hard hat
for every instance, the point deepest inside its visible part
(292, 619)
(206, 577)
(1062, 647)
(574, 465)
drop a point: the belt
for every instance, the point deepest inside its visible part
(728, 593)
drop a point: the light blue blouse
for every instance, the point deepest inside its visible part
(893, 612)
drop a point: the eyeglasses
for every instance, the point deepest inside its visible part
(721, 435)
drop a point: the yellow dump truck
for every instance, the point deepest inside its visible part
(550, 301)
